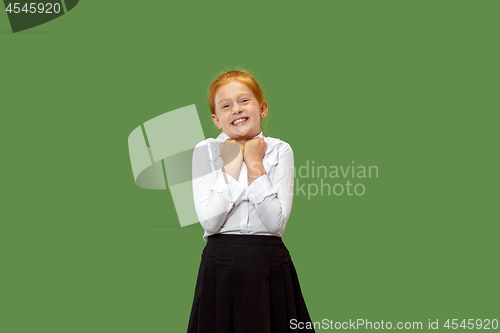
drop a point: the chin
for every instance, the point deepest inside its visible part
(244, 134)
(247, 136)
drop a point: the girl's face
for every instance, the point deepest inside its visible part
(238, 112)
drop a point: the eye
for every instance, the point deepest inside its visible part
(245, 100)
(225, 106)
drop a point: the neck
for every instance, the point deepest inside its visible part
(243, 140)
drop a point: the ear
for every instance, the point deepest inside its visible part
(216, 121)
(263, 109)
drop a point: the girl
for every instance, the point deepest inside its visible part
(243, 192)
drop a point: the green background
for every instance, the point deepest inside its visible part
(408, 86)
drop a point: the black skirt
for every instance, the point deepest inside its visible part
(246, 284)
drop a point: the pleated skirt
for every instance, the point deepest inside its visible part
(247, 284)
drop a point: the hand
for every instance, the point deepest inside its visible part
(254, 151)
(230, 150)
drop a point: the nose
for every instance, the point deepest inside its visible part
(237, 108)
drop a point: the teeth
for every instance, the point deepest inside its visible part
(239, 121)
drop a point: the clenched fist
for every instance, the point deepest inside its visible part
(230, 150)
(254, 151)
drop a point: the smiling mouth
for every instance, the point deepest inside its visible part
(239, 121)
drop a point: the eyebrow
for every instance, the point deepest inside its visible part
(222, 100)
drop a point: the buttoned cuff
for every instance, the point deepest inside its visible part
(228, 187)
(260, 189)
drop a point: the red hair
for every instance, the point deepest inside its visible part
(241, 76)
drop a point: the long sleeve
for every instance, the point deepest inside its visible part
(273, 200)
(215, 193)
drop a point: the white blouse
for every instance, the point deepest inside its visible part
(228, 206)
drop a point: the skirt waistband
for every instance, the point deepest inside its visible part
(244, 239)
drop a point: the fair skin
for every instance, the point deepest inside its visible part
(238, 113)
